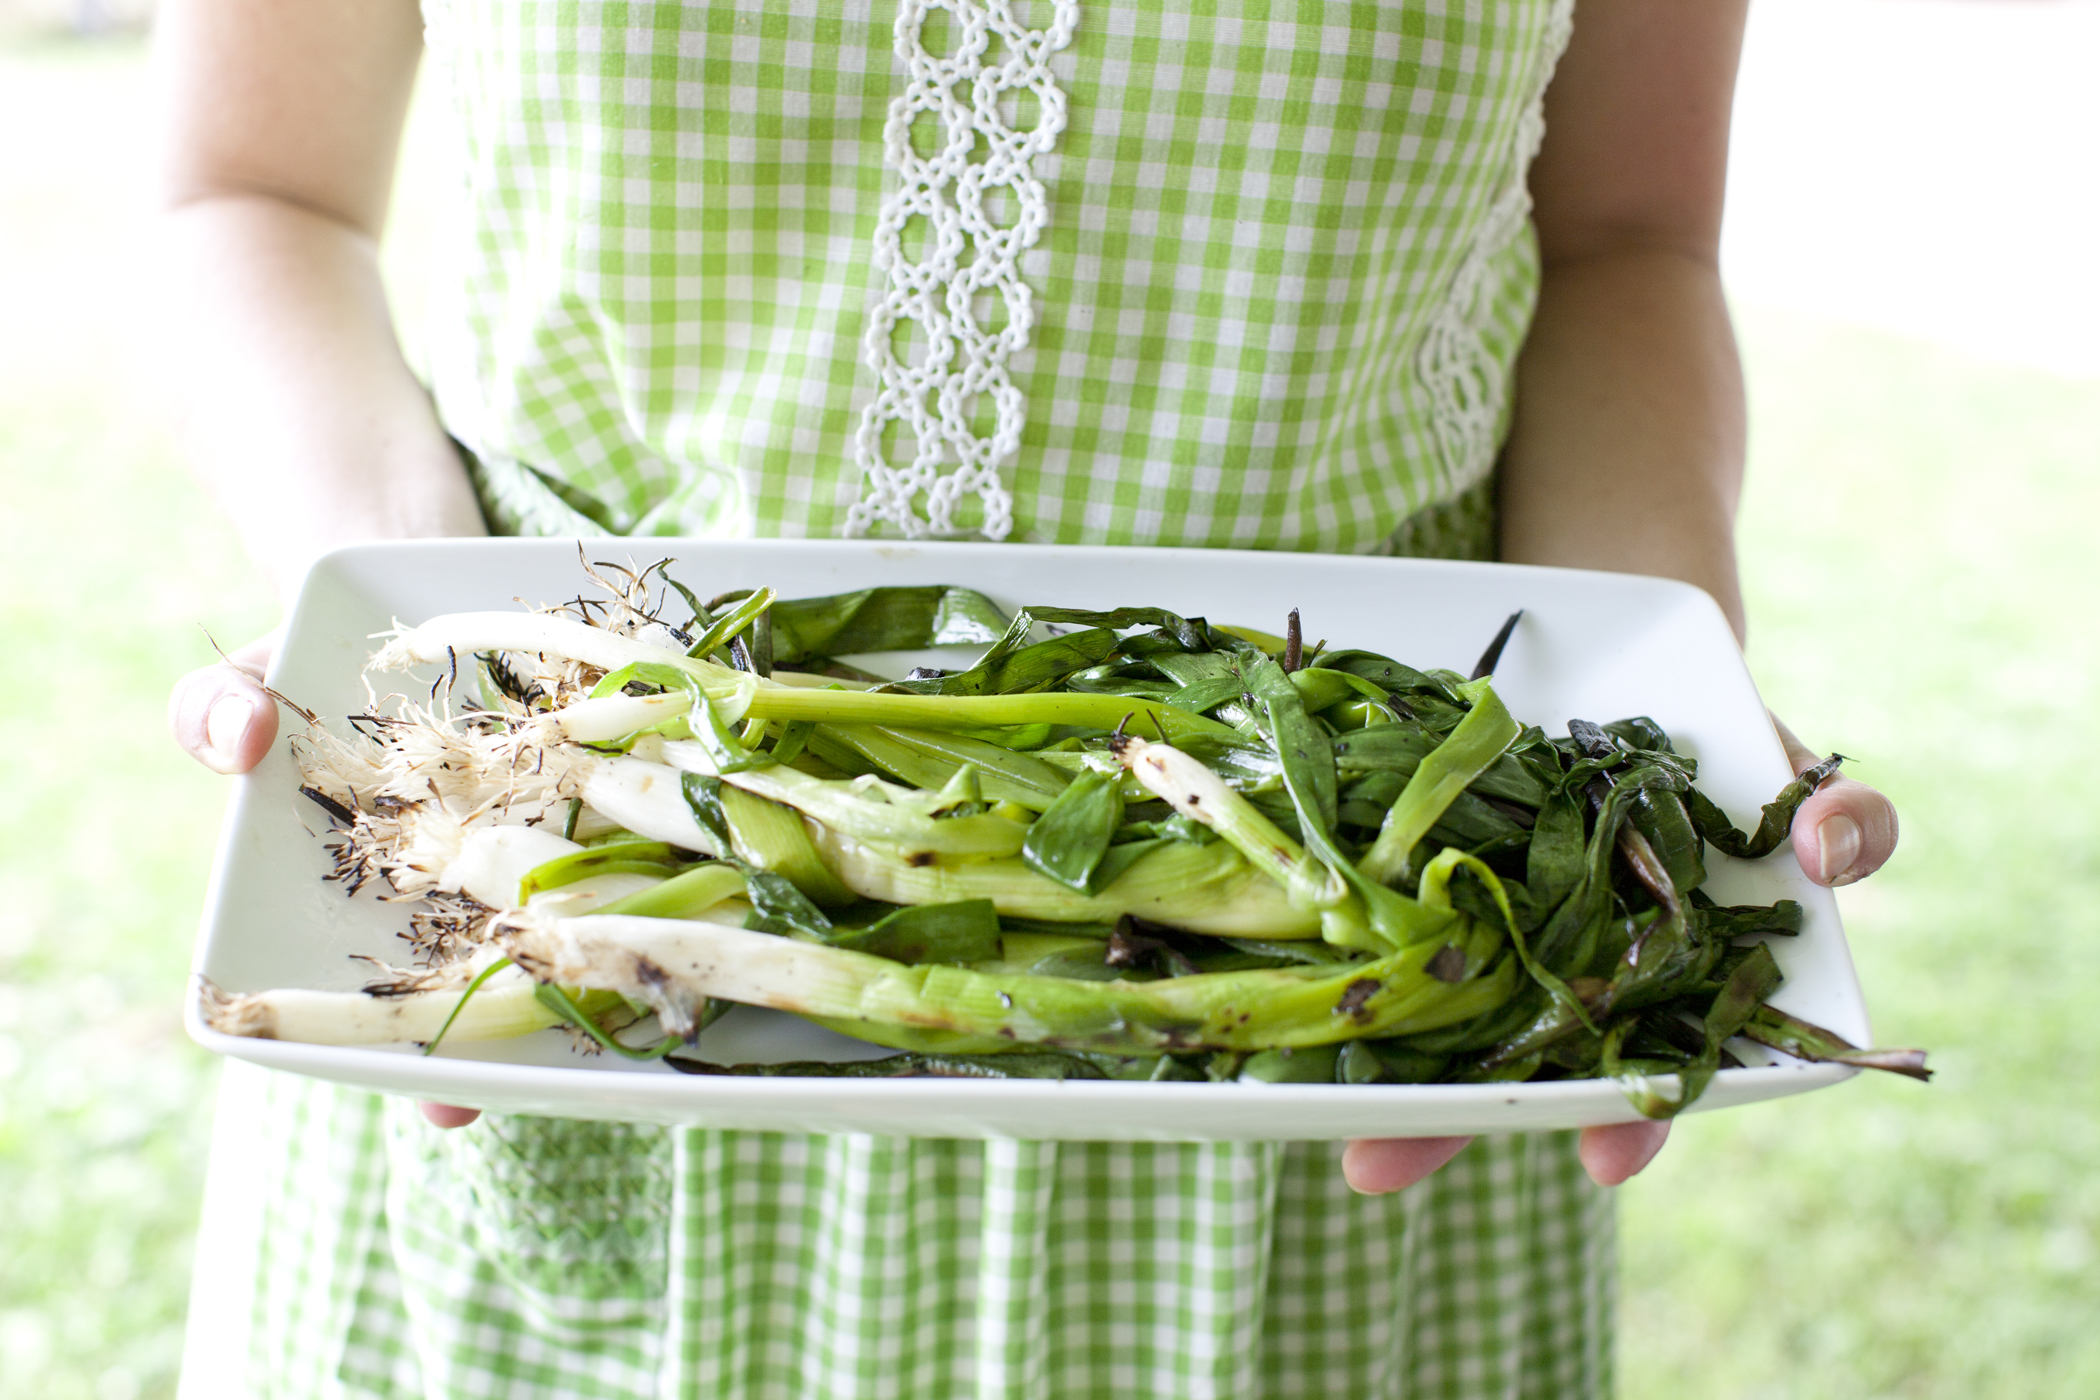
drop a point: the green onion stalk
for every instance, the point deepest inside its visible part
(674, 966)
(736, 694)
(503, 1005)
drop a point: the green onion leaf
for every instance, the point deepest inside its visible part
(882, 619)
(561, 1003)
(624, 857)
(776, 905)
(733, 623)
(1476, 742)
(1068, 841)
(472, 987)
(960, 933)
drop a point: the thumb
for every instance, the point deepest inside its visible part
(221, 715)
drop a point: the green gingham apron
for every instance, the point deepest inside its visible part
(1279, 277)
(1242, 274)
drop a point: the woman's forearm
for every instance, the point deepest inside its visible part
(1627, 451)
(301, 414)
(279, 125)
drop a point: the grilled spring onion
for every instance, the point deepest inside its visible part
(1149, 839)
(482, 998)
(674, 965)
(503, 1006)
(738, 694)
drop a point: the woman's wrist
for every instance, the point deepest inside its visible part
(417, 490)
(1627, 449)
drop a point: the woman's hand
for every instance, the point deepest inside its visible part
(225, 720)
(1610, 1155)
(1844, 832)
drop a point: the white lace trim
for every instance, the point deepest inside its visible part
(1467, 384)
(993, 61)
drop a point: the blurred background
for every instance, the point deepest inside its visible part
(1911, 244)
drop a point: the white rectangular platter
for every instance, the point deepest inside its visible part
(1591, 645)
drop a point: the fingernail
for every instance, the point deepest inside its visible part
(225, 724)
(1837, 839)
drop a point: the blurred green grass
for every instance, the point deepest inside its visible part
(112, 561)
(1917, 540)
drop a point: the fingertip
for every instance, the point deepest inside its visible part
(1613, 1154)
(445, 1115)
(223, 718)
(1377, 1166)
(1844, 833)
